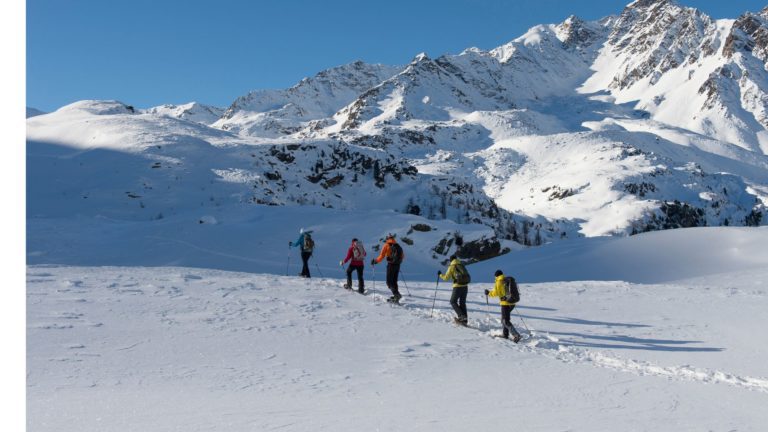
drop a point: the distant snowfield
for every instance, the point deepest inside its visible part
(192, 349)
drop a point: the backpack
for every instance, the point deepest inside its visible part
(358, 251)
(461, 275)
(511, 292)
(395, 254)
(309, 244)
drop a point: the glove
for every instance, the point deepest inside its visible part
(439, 272)
(373, 262)
(487, 292)
(289, 243)
(341, 263)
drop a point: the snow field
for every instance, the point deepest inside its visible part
(169, 348)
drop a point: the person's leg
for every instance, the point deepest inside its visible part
(463, 302)
(349, 277)
(305, 259)
(389, 279)
(455, 302)
(505, 322)
(395, 274)
(508, 324)
(360, 280)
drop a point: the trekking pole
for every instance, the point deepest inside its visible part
(487, 310)
(523, 321)
(406, 285)
(318, 270)
(373, 267)
(435, 297)
(288, 265)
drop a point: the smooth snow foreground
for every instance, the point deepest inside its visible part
(181, 349)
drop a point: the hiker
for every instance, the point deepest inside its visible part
(460, 276)
(504, 290)
(306, 245)
(355, 254)
(393, 252)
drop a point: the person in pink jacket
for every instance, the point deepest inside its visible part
(355, 254)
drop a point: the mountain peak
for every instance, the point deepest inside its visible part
(574, 31)
(647, 4)
(420, 57)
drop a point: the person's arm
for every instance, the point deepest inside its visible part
(349, 256)
(298, 241)
(497, 288)
(448, 275)
(384, 253)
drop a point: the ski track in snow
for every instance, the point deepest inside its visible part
(542, 343)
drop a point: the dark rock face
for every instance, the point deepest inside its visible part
(479, 250)
(748, 34)
(663, 35)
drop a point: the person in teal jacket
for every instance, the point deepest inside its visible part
(306, 244)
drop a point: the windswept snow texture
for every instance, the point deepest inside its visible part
(172, 348)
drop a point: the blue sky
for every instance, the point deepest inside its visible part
(150, 52)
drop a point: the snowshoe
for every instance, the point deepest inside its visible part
(394, 299)
(345, 286)
(360, 291)
(460, 321)
(516, 338)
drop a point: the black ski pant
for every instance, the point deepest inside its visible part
(392, 271)
(360, 282)
(506, 311)
(459, 301)
(305, 259)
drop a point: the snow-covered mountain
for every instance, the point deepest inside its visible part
(652, 119)
(272, 113)
(192, 111)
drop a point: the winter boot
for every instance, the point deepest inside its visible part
(516, 338)
(460, 321)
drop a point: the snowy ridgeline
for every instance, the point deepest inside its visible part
(175, 348)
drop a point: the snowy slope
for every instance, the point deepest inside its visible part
(173, 348)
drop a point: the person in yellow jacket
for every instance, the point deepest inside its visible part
(460, 276)
(394, 254)
(506, 307)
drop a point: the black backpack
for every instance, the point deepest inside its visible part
(395, 254)
(461, 275)
(511, 292)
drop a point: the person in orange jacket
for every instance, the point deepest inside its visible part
(506, 307)
(393, 252)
